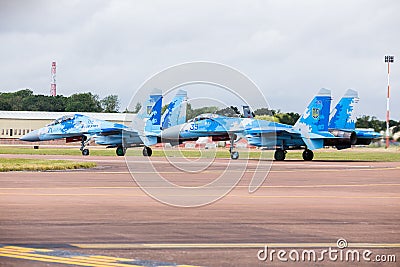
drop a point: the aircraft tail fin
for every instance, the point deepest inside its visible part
(247, 113)
(175, 114)
(316, 116)
(342, 116)
(149, 117)
(313, 124)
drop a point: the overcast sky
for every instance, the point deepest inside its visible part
(290, 49)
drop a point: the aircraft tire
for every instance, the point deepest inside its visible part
(308, 155)
(279, 155)
(147, 151)
(235, 155)
(120, 151)
(85, 152)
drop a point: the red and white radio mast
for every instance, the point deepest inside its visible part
(53, 90)
(388, 60)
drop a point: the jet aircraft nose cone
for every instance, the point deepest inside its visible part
(31, 137)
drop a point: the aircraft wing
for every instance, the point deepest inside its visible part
(108, 131)
(272, 130)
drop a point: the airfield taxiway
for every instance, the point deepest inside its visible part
(102, 211)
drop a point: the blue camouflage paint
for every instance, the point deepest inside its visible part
(155, 110)
(149, 117)
(176, 112)
(342, 116)
(313, 124)
(316, 115)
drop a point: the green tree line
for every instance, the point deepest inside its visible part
(81, 102)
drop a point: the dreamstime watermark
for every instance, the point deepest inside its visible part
(340, 253)
(154, 180)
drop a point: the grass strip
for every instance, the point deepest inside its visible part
(356, 154)
(11, 164)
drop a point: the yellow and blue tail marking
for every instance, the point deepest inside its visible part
(316, 116)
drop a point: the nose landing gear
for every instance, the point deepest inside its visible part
(84, 142)
(234, 154)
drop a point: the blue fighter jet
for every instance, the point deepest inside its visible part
(312, 131)
(145, 129)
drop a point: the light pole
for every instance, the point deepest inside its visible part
(388, 60)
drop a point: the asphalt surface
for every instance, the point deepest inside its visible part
(300, 205)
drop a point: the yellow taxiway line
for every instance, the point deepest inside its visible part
(43, 255)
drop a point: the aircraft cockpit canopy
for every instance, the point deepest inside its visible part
(205, 116)
(62, 119)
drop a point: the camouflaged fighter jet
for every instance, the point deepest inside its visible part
(145, 129)
(312, 131)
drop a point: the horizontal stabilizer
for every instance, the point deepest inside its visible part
(148, 140)
(313, 144)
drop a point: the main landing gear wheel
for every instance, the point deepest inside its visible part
(280, 155)
(147, 151)
(85, 152)
(120, 151)
(308, 155)
(234, 155)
